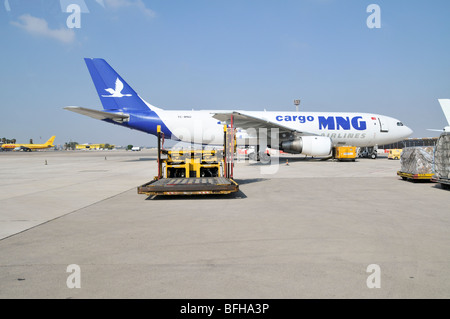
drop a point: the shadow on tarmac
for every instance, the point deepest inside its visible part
(249, 180)
(282, 160)
(142, 159)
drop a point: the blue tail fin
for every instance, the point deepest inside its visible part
(114, 93)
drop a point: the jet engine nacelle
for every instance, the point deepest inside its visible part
(308, 145)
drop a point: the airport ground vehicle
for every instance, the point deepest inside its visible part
(395, 153)
(345, 153)
(368, 152)
(194, 172)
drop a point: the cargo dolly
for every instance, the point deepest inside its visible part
(445, 182)
(194, 172)
(415, 177)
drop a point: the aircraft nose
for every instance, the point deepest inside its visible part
(408, 131)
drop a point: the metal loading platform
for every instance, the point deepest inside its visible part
(194, 172)
(189, 186)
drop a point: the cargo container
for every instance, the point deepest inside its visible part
(416, 163)
(442, 161)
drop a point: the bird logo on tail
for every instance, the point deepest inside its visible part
(117, 91)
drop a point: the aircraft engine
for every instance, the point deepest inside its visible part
(308, 145)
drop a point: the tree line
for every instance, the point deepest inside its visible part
(8, 141)
(70, 145)
(5, 140)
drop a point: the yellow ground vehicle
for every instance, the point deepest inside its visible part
(194, 172)
(395, 153)
(345, 153)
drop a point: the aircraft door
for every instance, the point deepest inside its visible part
(384, 127)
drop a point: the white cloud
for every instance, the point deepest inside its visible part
(139, 4)
(39, 27)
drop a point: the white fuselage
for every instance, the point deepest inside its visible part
(355, 129)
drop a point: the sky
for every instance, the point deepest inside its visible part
(217, 54)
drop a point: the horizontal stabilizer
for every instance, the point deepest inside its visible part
(99, 115)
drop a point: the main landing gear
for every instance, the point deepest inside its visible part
(259, 156)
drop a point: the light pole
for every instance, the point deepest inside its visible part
(297, 103)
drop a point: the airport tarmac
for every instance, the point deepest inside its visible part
(309, 229)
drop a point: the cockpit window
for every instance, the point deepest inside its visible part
(399, 124)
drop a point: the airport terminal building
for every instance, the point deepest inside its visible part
(411, 142)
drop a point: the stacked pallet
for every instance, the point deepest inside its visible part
(442, 156)
(417, 160)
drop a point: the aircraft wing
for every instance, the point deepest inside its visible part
(246, 121)
(99, 115)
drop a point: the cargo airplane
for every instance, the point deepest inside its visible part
(309, 133)
(29, 147)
